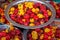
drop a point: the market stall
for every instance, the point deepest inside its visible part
(29, 19)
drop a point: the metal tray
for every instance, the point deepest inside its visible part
(28, 27)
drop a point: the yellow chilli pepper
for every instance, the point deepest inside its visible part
(20, 6)
(6, 30)
(11, 27)
(11, 12)
(42, 36)
(37, 9)
(33, 10)
(31, 20)
(31, 24)
(12, 9)
(54, 29)
(2, 20)
(29, 4)
(16, 38)
(46, 30)
(34, 35)
(3, 38)
(5, 6)
(2, 14)
(21, 12)
(40, 15)
(49, 12)
(25, 9)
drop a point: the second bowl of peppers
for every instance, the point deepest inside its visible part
(30, 14)
(56, 5)
(8, 32)
(45, 33)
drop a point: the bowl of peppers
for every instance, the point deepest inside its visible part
(2, 14)
(46, 33)
(30, 14)
(8, 32)
(56, 5)
(2, 17)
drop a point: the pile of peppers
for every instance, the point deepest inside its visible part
(2, 17)
(30, 13)
(10, 34)
(57, 8)
(46, 33)
(2, 10)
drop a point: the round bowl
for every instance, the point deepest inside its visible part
(9, 32)
(28, 27)
(56, 19)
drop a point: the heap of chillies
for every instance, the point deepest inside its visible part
(57, 8)
(2, 9)
(47, 33)
(10, 34)
(57, 34)
(30, 13)
(2, 17)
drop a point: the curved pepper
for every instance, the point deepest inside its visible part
(34, 35)
(3, 38)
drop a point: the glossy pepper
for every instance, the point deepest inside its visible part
(33, 10)
(29, 4)
(46, 30)
(31, 24)
(34, 35)
(42, 36)
(31, 20)
(16, 38)
(20, 6)
(11, 27)
(12, 9)
(2, 20)
(49, 12)
(21, 12)
(3, 38)
(5, 6)
(11, 12)
(40, 15)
